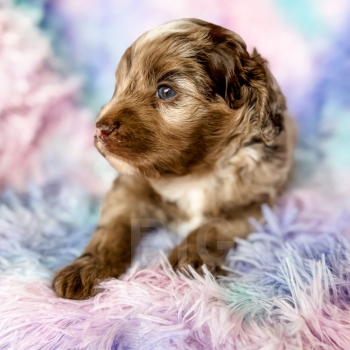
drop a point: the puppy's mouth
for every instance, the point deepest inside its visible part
(117, 144)
(99, 144)
(116, 161)
(126, 150)
(104, 145)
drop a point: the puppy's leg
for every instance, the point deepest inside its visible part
(205, 245)
(210, 243)
(111, 248)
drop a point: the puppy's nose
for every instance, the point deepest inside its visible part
(104, 130)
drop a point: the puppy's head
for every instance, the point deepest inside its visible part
(184, 92)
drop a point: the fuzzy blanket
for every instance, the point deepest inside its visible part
(288, 284)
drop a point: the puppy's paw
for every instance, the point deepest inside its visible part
(180, 258)
(79, 279)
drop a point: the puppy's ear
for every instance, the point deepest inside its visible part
(245, 80)
(264, 90)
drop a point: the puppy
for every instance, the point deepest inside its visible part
(199, 132)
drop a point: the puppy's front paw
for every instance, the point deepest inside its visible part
(79, 279)
(181, 257)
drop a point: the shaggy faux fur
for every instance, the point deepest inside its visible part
(288, 284)
(293, 295)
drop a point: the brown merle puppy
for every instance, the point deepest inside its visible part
(199, 132)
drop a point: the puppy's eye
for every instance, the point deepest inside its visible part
(165, 93)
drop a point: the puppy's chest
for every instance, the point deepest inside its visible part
(195, 200)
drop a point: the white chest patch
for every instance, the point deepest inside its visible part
(190, 195)
(192, 203)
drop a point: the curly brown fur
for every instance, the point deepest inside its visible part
(218, 149)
